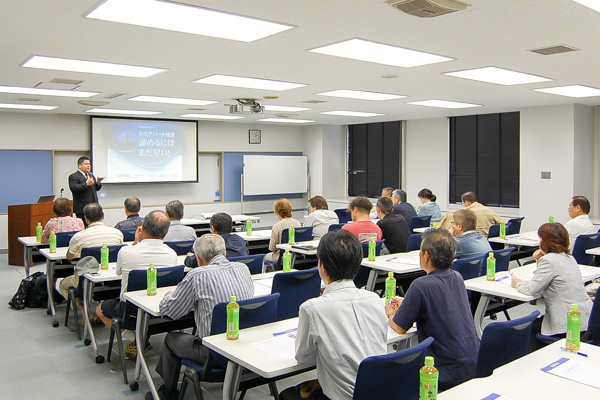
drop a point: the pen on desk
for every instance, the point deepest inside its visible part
(573, 351)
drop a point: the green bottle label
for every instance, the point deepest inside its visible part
(429, 386)
(291, 235)
(573, 331)
(38, 232)
(287, 261)
(233, 321)
(390, 289)
(104, 257)
(491, 269)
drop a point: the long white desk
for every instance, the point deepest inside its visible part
(529, 239)
(308, 248)
(502, 287)
(257, 235)
(29, 243)
(595, 251)
(398, 263)
(523, 378)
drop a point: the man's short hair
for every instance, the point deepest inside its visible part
(209, 245)
(441, 247)
(283, 208)
(318, 202)
(385, 205)
(93, 212)
(156, 224)
(471, 197)
(387, 191)
(341, 254)
(400, 195)
(62, 207)
(81, 159)
(132, 204)
(174, 209)
(582, 202)
(221, 222)
(466, 218)
(362, 203)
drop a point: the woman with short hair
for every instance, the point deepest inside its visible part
(63, 222)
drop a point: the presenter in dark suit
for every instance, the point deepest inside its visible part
(84, 186)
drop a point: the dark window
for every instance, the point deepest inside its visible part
(484, 158)
(373, 158)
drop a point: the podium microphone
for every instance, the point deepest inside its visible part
(61, 191)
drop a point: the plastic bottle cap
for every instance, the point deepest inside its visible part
(233, 299)
(151, 265)
(429, 361)
(574, 306)
(491, 254)
(391, 274)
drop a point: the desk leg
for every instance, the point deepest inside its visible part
(88, 288)
(233, 375)
(27, 251)
(50, 285)
(141, 365)
(373, 274)
(484, 301)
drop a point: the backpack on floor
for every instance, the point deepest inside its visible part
(18, 300)
(38, 293)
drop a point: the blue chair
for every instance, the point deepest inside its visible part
(253, 312)
(493, 232)
(468, 267)
(502, 257)
(513, 226)
(254, 262)
(414, 242)
(295, 288)
(503, 342)
(128, 235)
(419, 222)
(593, 329)
(302, 234)
(394, 375)
(335, 227)
(362, 275)
(343, 215)
(182, 247)
(113, 251)
(63, 238)
(583, 243)
(137, 280)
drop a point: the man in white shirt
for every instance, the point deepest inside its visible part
(177, 231)
(96, 234)
(345, 323)
(580, 224)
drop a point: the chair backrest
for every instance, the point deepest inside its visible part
(63, 238)
(378, 245)
(494, 231)
(513, 226)
(335, 227)
(302, 234)
(254, 262)
(594, 321)
(181, 247)
(343, 215)
(362, 276)
(165, 276)
(295, 288)
(128, 235)
(419, 222)
(583, 243)
(502, 257)
(503, 342)
(468, 267)
(414, 242)
(113, 251)
(374, 381)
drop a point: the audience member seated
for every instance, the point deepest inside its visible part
(469, 242)
(63, 222)
(132, 210)
(362, 227)
(485, 216)
(177, 231)
(429, 206)
(202, 288)
(387, 192)
(222, 224)
(96, 234)
(402, 207)
(557, 280)
(149, 249)
(320, 216)
(580, 224)
(343, 326)
(283, 211)
(394, 227)
(438, 304)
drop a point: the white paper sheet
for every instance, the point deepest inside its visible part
(281, 346)
(576, 371)
(400, 260)
(495, 396)
(268, 282)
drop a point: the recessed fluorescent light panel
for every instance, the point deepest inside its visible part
(443, 104)
(45, 92)
(593, 4)
(499, 76)
(250, 83)
(572, 91)
(186, 18)
(352, 114)
(28, 107)
(363, 50)
(91, 67)
(360, 95)
(172, 100)
(287, 120)
(127, 112)
(285, 108)
(211, 116)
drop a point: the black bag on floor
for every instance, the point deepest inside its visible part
(38, 293)
(18, 300)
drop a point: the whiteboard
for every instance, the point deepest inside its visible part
(275, 174)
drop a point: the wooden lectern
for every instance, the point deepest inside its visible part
(22, 220)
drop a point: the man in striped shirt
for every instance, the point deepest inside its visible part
(214, 281)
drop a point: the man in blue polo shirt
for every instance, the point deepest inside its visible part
(438, 304)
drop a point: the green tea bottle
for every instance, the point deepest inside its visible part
(372, 248)
(249, 227)
(291, 235)
(429, 380)
(52, 242)
(287, 261)
(38, 232)
(151, 278)
(573, 327)
(551, 219)
(503, 230)
(104, 257)
(233, 319)
(490, 271)
(390, 287)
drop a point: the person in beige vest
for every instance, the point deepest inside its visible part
(485, 216)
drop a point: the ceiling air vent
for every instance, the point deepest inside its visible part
(314, 101)
(428, 8)
(113, 96)
(548, 51)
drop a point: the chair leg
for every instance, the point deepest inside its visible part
(68, 309)
(111, 340)
(122, 351)
(506, 315)
(184, 384)
(191, 375)
(75, 313)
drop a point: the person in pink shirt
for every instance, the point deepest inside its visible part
(64, 221)
(362, 227)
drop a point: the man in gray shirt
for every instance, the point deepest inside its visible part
(177, 231)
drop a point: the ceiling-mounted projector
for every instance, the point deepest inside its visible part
(246, 106)
(428, 8)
